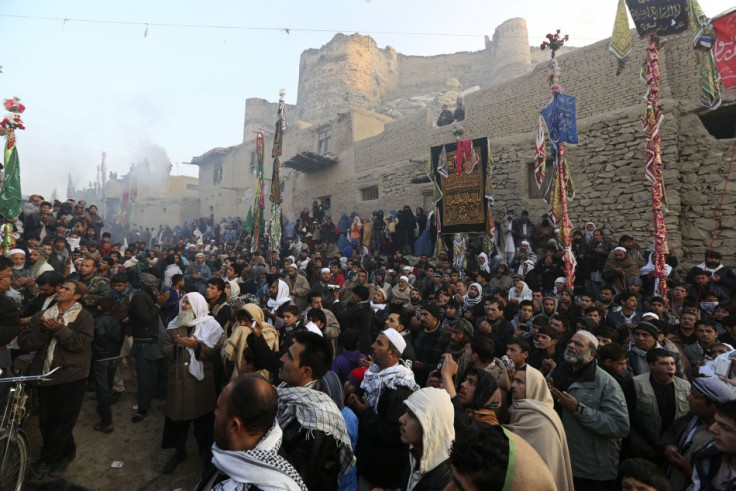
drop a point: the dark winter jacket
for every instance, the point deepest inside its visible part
(73, 351)
(109, 336)
(382, 457)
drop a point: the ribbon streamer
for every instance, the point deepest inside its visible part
(653, 164)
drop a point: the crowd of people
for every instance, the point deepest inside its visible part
(345, 360)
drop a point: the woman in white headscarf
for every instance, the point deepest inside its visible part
(192, 344)
(483, 263)
(232, 290)
(532, 417)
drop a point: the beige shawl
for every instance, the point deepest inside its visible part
(235, 346)
(536, 421)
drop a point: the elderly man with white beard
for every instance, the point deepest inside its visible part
(192, 345)
(22, 278)
(593, 411)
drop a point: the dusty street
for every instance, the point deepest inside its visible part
(136, 445)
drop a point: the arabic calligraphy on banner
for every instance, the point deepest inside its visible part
(724, 49)
(462, 208)
(660, 17)
(463, 197)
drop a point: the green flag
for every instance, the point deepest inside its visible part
(10, 194)
(248, 223)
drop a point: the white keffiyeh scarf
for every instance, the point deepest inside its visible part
(261, 467)
(375, 380)
(314, 410)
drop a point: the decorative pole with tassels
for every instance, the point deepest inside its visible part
(559, 119)
(683, 13)
(275, 196)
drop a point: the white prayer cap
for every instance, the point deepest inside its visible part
(561, 279)
(589, 335)
(291, 258)
(16, 251)
(293, 265)
(403, 278)
(324, 270)
(650, 314)
(312, 327)
(396, 339)
(525, 242)
(619, 248)
(407, 268)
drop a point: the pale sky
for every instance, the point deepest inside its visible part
(103, 81)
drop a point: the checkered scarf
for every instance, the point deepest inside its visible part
(316, 411)
(261, 467)
(375, 380)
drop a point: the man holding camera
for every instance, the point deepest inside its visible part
(325, 287)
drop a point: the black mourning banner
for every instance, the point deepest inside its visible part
(660, 17)
(462, 208)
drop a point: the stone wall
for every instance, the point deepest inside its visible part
(348, 72)
(337, 181)
(344, 81)
(607, 164)
(703, 166)
(351, 72)
(260, 115)
(233, 195)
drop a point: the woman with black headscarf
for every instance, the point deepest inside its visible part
(476, 394)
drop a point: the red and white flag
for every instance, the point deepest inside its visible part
(724, 49)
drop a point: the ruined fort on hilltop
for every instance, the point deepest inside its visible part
(359, 135)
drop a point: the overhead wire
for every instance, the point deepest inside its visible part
(286, 30)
